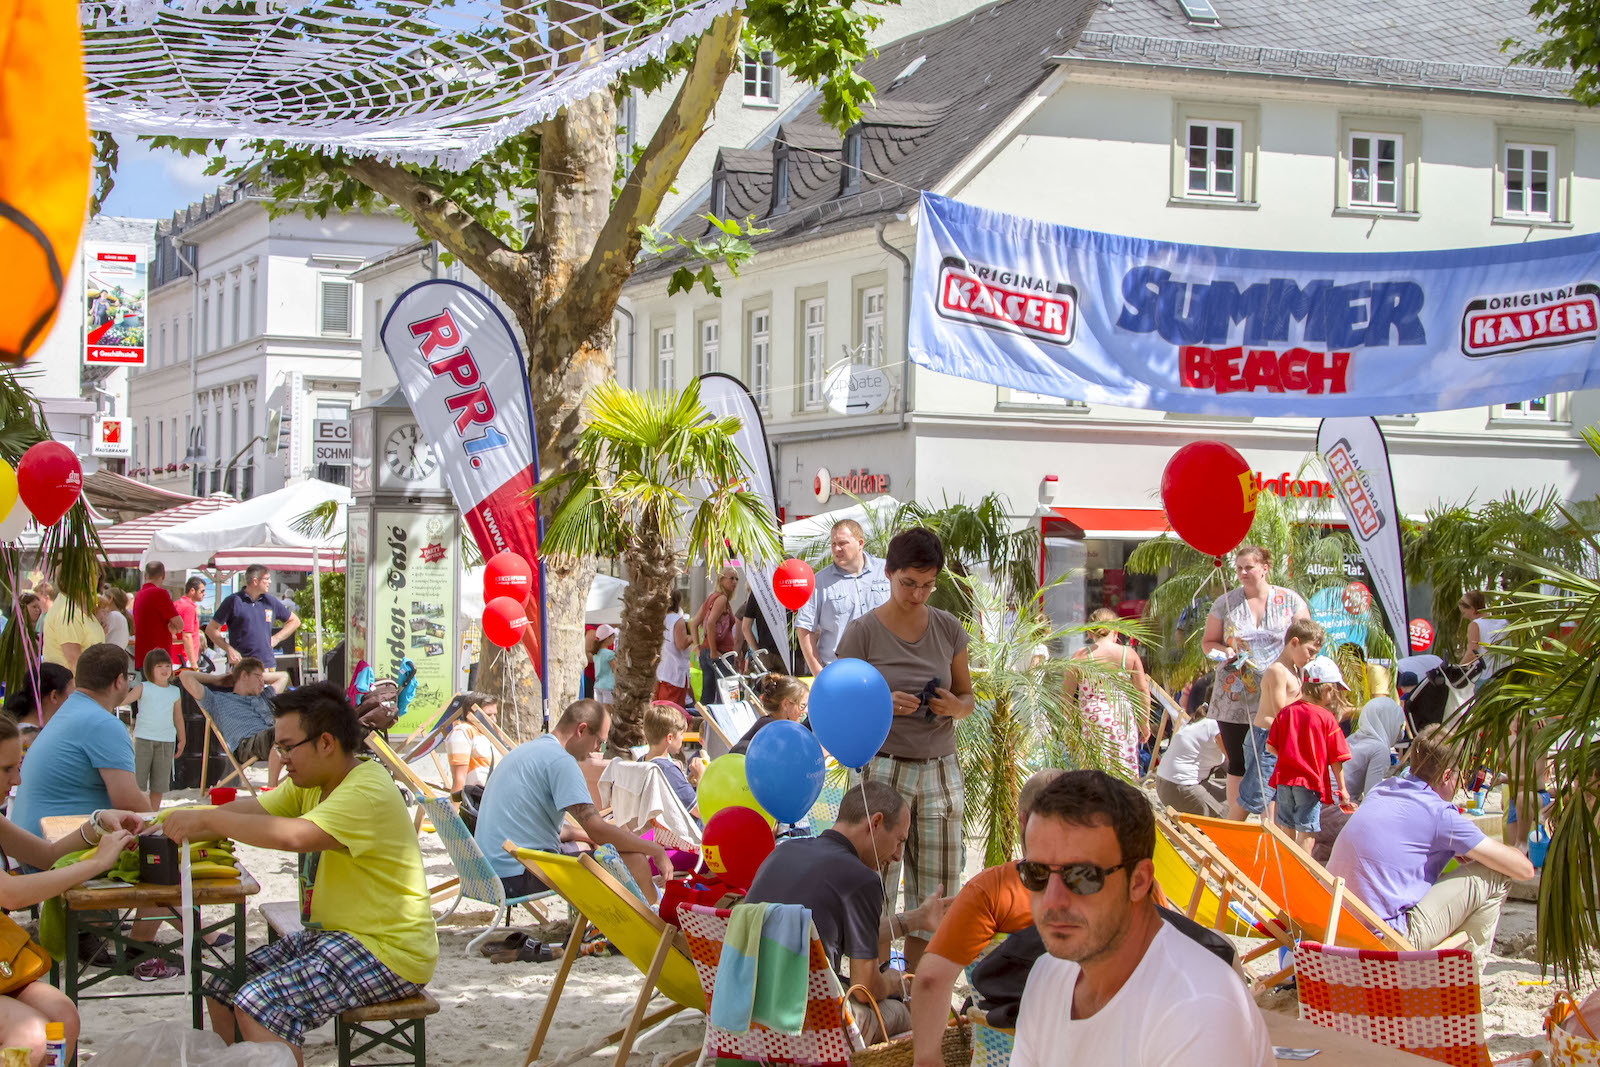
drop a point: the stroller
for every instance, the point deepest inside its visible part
(1441, 695)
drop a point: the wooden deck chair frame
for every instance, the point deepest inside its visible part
(402, 773)
(227, 753)
(497, 740)
(1171, 711)
(622, 908)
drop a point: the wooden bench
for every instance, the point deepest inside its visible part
(397, 1025)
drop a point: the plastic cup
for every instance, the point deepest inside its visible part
(223, 794)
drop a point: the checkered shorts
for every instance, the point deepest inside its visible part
(299, 982)
(934, 850)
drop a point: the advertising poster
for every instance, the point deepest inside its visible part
(114, 304)
(356, 592)
(413, 576)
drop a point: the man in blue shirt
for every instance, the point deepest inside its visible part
(846, 589)
(256, 620)
(241, 706)
(536, 785)
(83, 758)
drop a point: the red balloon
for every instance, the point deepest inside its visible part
(734, 843)
(507, 574)
(792, 582)
(503, 621)
(49, 480)
(1209, 496)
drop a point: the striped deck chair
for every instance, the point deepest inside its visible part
(1426, 1003)
(991, 1045)
(828, 1036)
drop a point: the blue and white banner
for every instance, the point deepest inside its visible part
(1193, 328)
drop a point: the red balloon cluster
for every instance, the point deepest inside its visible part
(507, 585)
(49, 481)
(1209, 496)
(734, 843)
(792, 582)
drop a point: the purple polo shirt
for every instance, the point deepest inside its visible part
(1391, 851)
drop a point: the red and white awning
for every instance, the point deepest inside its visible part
(126, 542)
(280, 558)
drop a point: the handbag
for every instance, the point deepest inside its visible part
(22, 959)
(1569, 1049)
(700, 889)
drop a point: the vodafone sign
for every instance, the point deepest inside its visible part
(823, 485)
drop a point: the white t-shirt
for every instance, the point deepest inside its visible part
(674, 666)
(1192, 754)
(1181, 1007)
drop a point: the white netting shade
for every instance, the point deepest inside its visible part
(408, 80)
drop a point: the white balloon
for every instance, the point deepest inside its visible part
(12, 525)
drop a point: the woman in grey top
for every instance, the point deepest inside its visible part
(922, 653)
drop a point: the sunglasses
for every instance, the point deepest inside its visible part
(1081, 879)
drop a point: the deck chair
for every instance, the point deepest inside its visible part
(725, 724)
(1171, 719)
(991, 1045)
(475, 878)
(825, 809)
(640, 798)
(659, 951)
(227, 753)
(828, 1036)
(1192, 885)
(1426, 1003)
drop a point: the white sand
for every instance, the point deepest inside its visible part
(489, 1011)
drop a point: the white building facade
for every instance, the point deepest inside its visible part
(255, 334)
(1121, 134)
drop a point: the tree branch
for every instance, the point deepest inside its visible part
(505, 271)
(593, 294)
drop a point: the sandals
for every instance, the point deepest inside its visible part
(511, 942)
(526, 952)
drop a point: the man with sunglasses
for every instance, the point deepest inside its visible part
(369, 937)
(1119, 987)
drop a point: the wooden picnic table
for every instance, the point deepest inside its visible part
(1337, 1049)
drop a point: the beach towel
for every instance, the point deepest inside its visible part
(764, 969)
(638, 793)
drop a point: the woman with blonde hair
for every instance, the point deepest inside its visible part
(1121, 725)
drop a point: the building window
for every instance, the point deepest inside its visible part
(335, 313)
(1212, 168)
(871, 350)
(205, 317)
(161, 441)
(813, 349)
(220, 297)
(760, 79)
(1528, 185)
(176, 455)
(374, 341)
(1375, 170)
(780, 179)
(161, 346)
(710, 345)
(719, 195)
(666, 354)
(761, 357)
(1538, 409)
(147, 446)
(252, 319)
(850, 162)
(189, 352)
(233, 328)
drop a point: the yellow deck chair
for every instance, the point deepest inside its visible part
(1316, 905)
(1188, 891)
(659, 951)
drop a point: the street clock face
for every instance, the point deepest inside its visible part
(407, 455)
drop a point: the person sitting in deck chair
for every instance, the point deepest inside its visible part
(371, 936)
(241, 706)
(536, 785)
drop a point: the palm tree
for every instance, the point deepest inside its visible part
(653, 471)
(1544, 705)
(70, 551)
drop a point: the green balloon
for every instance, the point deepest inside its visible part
(723, 785)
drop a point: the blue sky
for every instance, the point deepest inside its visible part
(153, 183)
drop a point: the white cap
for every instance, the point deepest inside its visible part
(1323, 669)
(603, 631)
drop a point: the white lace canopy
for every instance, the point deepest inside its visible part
(427, 81)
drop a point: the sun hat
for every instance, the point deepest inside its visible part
(1323, 669)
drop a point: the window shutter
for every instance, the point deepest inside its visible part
(336, 306)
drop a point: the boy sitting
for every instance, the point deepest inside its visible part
(1308, 743)
(370, 937)
(663, 731)
(1280, 687)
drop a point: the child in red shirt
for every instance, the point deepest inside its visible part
(1305, 736)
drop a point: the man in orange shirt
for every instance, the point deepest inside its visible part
(993, 902)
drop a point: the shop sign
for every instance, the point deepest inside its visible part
(855, 389)
(1287, 485)
(414, 579)
(113, 437)
(856, 483)
(330, 441)
(114, 304)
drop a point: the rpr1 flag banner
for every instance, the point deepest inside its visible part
(463, 373)
(1194, 328)
(1358, 466)
(727, 397)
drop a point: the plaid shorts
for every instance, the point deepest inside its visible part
(935, 850)
(300, 981)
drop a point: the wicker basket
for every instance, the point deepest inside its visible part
(956, 1047)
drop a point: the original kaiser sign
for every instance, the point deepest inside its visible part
(1138, 323)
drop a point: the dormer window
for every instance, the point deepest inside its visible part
(719, 194)
(850, 162)
(780, 179)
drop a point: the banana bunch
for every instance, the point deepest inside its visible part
(212, 859)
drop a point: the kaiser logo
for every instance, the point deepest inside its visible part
(1500, 325)
(1042, 308)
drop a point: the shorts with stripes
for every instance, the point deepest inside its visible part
(934, 850)
(302, 980)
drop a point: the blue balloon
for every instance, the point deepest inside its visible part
(851, 710)
(785, 768)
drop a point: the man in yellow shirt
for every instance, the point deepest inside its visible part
(68, 630)
(370, 935)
